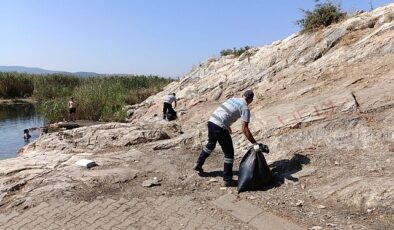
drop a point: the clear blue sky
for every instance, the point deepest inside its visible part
(162, 37)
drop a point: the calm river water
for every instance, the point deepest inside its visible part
(13, 120)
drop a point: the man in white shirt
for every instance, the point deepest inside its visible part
(167, 106)
(219, 131)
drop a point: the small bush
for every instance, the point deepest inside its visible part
(236, 52)
(322, 16)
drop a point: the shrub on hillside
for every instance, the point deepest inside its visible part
(322, 16)
(236, 52)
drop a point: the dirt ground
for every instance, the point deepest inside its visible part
(287, 197)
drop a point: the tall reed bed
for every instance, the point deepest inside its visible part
(14, 85)
(98, 98)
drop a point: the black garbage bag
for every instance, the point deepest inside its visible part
(171, 116)
(253, 172)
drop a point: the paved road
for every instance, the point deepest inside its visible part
(149, 213)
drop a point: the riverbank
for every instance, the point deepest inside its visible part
(323, 105)
(28, 100)
(67, 125)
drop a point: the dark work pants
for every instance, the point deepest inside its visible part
(218, 134)
(167, 108)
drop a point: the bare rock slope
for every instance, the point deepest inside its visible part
(327, 95)
(324, 104)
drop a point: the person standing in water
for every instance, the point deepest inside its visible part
(26, 134)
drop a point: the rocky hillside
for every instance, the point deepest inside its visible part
(324, 105)
(328, 96)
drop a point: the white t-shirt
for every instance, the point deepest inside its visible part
(229, 112)
(169, 98)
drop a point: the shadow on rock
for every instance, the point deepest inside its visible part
(215, 174)
(283, 169)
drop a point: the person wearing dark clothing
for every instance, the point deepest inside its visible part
(168, 110)
(26, 134)
(219, 130)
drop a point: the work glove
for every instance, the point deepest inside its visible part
(261, 147)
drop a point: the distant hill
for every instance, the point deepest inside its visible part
(35, 70)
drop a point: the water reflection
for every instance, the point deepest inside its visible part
(13, 120)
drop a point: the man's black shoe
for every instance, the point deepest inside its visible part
(198, 168)
(230, 183)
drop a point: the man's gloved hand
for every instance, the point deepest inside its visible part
(264, 148)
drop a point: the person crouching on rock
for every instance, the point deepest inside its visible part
(167, 106)
(72, 109)
(219, 131)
